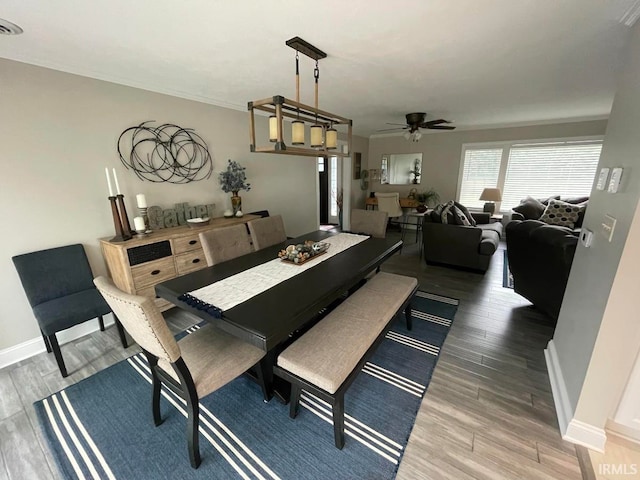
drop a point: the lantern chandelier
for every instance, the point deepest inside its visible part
(323, 135)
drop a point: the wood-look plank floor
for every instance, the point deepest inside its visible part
(488, 412)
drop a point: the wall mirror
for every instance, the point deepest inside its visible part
(401, 168)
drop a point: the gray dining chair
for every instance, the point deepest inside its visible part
(222, 244)
(267, 231)
(193, 367)
(59, 286)
(370, 222)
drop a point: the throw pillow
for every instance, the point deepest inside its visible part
(472, 221)
(459, 216)
(561, 213)
(530, 208)
(437, 212)
(447, 215)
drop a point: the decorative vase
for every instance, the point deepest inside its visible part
(236, 202)
(340, 219)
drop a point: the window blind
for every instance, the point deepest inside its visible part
(542, 170)
(480, 170)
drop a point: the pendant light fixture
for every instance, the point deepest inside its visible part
(323, 131)
(316, 129)
(297, 126)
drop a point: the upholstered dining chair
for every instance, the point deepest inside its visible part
(59, 286)
(390, 203)
(371, 222)
(267, 231)
(222, 244)
(193, 367)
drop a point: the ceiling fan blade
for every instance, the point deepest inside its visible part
(390, 129)
(440, 127)
(401, 124)
(434, 122)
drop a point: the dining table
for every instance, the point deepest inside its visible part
(273, 318)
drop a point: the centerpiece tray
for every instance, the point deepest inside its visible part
(303, 252)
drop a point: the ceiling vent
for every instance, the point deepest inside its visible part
(8, 28)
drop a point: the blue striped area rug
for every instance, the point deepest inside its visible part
(102, 427)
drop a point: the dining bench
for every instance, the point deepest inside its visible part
(327, 359)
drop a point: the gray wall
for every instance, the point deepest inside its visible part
(598, 331)
(58, 135)
(442, 151)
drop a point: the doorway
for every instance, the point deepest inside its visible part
(330, 191)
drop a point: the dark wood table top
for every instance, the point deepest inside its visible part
(268, 318)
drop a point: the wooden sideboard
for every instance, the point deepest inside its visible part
(404, 202)
(137, 265)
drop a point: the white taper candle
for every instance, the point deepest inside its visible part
(115, 177)
(106, 171)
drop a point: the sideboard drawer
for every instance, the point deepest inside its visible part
(190, 261)
(153, 272)
(186, 243)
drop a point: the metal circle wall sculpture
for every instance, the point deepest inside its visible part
(165, 153)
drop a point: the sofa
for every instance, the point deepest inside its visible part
(467, 246)
(540, 257)
(537, 209)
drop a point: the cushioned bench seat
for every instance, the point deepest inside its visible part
(327, 358)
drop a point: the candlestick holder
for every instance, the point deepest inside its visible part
(124, 219)
(143, 214)
(121, 235)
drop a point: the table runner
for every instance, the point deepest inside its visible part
(231, 291)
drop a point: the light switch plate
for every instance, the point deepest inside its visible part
(602, 178)
(614, 182)
(608, 225)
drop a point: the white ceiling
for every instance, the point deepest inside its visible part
(480, 63)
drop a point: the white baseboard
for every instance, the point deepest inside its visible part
(558, 387)
(572, 430)
(32, 347)
(623, 431)
(586, 435)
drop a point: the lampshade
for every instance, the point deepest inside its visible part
(332, 139)
(316, 136)
(273, 128)
(297, 132)
(491, 195)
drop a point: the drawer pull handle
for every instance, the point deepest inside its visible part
(193, 242)
(195, 260)
(155, 272)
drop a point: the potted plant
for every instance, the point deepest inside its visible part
(426, 199)
(234, 179)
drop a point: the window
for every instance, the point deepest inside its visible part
(538, 169)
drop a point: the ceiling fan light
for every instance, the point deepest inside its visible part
(297, 132)
(332, 139)
(316, 136)
(417, 136)
(406, 135)
(273, 128)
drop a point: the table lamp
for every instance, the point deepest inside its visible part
(490, 196)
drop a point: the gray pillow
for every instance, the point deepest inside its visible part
(530, 208)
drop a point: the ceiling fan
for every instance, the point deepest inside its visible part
(416, 121)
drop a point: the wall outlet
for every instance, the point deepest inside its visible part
(586, 236)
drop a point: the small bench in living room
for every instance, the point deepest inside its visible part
(327, 359)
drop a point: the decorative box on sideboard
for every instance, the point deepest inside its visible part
(138, 265)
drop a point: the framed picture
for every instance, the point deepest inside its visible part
(357, 165)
